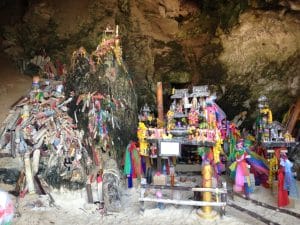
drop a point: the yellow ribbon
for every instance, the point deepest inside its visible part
(142, 135)
(269, 112)
(273, 165)
(217, 149)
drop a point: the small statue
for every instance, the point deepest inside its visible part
(173, 106)
(194, 103)
(179, 108)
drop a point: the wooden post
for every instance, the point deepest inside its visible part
(89, 192)
(13, 144)
(142, 205)
(28, 172)
(223, 198)
(160, 112)
(159, 163)
(20, 182)
(206, 211)
(207, 183)
(35, 161)
(295, 113)
(100, 186)
(159, 97)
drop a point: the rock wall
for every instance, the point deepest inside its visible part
(244, 48)
(262, 56)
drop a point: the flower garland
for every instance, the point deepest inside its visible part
(142, 135)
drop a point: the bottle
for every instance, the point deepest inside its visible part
(164, 170)
(172, 175)
(35, 83)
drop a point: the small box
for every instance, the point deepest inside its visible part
(160, 179)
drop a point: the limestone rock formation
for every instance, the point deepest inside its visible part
(244, 48)
(103, 73)
(262, 56)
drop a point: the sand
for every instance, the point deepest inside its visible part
(72, 208)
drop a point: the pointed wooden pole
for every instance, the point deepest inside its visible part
(294, 116)
(159, 97)
(160, 112)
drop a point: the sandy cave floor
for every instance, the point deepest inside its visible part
(72, 208)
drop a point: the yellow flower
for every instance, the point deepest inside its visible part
(170, 114)
(142, 126)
